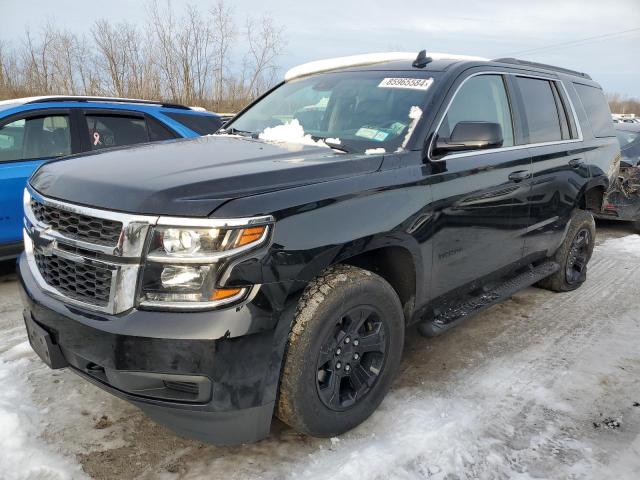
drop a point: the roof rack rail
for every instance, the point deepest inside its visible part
(516, 61)
(74, 98)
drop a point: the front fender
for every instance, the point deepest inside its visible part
(323, 224)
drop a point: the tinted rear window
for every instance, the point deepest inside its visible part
(540, 110)
(597, 109)
(201, 124)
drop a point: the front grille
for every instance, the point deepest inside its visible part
(75, 225)
(87, 282)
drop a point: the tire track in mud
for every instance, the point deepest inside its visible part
(540, 365)
(572, 339)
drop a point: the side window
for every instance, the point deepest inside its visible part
(201, 124)
(107, 131)
(481, 99)
(34, 138)
(597, 108)
(541, 114)
(158, 132)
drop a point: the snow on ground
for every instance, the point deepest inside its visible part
(541, 386)
(23, 455)
(629, 245)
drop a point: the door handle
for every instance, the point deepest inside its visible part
(576, 162)
(519, 175)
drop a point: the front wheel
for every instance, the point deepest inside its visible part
(573, 255)
(343, 353)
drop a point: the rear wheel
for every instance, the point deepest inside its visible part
(573, 255)
(344, 350)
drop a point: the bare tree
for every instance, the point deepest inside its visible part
(224, 33)
(113, 58)
(620, 104)
(265, 41)
(182, 54)
(5, 67)
(36, 60)
(84, 61)
(63, 62)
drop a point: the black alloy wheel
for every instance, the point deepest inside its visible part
(351, 358)
(579, 254)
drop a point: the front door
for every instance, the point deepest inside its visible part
(480, 211)
(25, 143)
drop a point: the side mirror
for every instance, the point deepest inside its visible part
(468, 136)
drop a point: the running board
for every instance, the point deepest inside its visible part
(457, 313)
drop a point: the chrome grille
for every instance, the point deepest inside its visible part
(76, 225)
(87, 282)
(84, 256)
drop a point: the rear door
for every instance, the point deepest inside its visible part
(106, 128)
(559, 169)
(479, 201)
(26, 141)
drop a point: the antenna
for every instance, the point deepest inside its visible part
(422, 60)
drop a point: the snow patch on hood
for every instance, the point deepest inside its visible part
(290, 132)
(375, 151)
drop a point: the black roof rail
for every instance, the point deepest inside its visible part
(73, 98)
(516, 61)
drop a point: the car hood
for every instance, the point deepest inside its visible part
(191, 177)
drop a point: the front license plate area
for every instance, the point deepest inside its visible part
(43, 345)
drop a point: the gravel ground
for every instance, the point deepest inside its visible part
(541, 386)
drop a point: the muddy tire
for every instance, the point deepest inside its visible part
(343, 352)
(573, 255)
(636, 225)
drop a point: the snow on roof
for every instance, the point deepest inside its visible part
(367, 59)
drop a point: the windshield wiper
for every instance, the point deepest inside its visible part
(235, 131)
(334, 145)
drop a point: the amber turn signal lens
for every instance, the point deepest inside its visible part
(222, 293)
(250, 235)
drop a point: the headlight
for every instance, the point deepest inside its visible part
(184, 262)
(194, 245)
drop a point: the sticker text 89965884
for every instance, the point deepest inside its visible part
(412, 83)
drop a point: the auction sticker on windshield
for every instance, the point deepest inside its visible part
(412, 83)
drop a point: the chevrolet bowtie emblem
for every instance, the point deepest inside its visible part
(43, 245)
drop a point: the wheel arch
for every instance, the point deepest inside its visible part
(592, 196)
(398, 262)
(397, 266)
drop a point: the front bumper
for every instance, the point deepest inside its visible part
(207, 375)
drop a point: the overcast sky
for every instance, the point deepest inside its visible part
(326, 28)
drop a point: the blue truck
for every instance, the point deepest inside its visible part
(36, 129)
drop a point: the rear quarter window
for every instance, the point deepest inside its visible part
(597, 110)
(201, 124)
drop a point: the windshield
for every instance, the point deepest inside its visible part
(357, 111)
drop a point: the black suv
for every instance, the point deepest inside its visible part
(273, 268)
